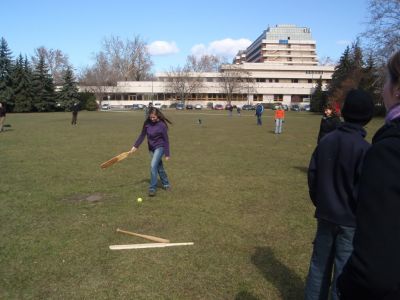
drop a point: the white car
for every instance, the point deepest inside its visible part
(198, 106)
(157, 105)
(105, 106)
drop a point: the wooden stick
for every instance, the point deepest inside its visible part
(148, 237)
(148, 245)
(115, 159)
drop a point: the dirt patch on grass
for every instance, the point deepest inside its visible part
(92, 198)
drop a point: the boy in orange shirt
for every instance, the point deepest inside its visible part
(279, 119)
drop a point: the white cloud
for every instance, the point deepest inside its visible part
(343, 42)
(162, 48)
(226, 47)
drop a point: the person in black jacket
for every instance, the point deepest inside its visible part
(333, 176)
(329, 122)
(75, 110)
(2, 116)
(373, 270)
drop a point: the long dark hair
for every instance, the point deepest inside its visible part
(159, 114)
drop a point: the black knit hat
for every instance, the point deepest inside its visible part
(358, 107)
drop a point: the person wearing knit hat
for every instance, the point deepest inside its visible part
(333, 176)
(358, 107)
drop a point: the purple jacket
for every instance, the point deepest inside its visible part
(157, 136)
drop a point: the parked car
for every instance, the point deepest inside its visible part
(198, 106)
(189, 106)
(295, 107)
(248, 107)
(135, 107)
(228, 107)
(105, 106)
(141, 106)
(307, 107)
(218, 107)
(180, 106)
(157, 105)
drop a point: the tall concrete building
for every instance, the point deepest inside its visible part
(282, 44)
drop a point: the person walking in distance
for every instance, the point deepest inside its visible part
(373, 270)
(259, 112)
(2, 116)
(75, 110)
(156, 129)
(279, 119)
(329, 122)
(333, 178)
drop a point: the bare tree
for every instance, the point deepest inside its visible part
(235, 80)
(183, 83)
(99, 78)
(205, 63)
(130, 60)
(383, 31)
(55, 59)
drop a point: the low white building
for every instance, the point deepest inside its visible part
(280, 66)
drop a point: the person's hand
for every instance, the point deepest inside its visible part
(133, 149)
(167, 158)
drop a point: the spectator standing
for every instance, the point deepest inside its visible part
(259, 112)
(2, 116)
(333, 177)
(279, 119)
(329, 122)
(373, 270)
(75, 110)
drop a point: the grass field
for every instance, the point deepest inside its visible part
(239, 192)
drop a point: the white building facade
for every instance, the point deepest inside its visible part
(281, 65)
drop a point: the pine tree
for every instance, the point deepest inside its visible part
(69, 92)
(318, 98)
(341, 71)
(6, 66)
(22, 86)
(43, 87)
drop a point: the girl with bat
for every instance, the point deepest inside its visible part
(156, 129)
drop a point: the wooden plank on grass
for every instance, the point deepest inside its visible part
(148, 245)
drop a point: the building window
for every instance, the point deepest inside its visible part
(270, 80)
(278, 97)
(276, 80)
(295, 81)
(309, 80)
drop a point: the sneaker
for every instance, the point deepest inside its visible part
(152, 193)
(166, 188)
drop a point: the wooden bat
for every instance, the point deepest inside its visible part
(115, 159)
(148, 237)
(148, 245)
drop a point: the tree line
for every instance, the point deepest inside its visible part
(363, 67)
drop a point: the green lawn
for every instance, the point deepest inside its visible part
(239, 192)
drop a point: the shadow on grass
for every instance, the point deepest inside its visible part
(288, 283)
(301, 168)
(245, 295)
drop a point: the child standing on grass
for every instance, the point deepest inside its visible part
(333, 178)
(279, 119)
(329, 122)
(156, 129)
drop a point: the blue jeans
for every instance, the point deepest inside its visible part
(259, 122)
(278, 125)
(156, 167)
(333, 246)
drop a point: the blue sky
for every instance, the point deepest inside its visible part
(175, 28)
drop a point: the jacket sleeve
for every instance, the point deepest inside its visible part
(375, 263)
(141, 137)
(166, 140)
(312, 177)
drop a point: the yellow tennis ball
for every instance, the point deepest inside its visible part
(139, 200)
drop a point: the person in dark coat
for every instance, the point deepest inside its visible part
(259, 112)
(2, 116)
(373, 270)
(75, 110)
(333, 176)
(329, 122)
